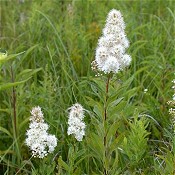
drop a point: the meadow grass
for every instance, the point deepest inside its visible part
(59, 39)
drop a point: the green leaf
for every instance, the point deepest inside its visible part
(99, 111)
(9, 85)
(113, 102)
(79, 153)
(90, 101)
(27, 73)
(12, 56)
(96, 144)
(5, 131)
(135, 142)
(117, 141)
(63, 164)
(112, 131)
(8, 111)
(101, 85)
(114, 112)
(80, 156)
(18, 64)
(6, 152)
(23, 122)
(115, 168)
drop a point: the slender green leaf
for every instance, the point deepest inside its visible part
(9, 85)
(5, 131)
(63, 164)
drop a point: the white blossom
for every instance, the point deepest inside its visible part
(111, 65)
(76, 125)
(38, 140)
(125, 61)
(111, 54)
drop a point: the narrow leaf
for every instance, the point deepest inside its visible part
(5, 131)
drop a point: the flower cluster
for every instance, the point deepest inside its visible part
(110, 53)
(76, 126)
(38, 140)
(172, 103)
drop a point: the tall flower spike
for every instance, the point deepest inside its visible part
(38, 140)
(76, 126)
(110, 54)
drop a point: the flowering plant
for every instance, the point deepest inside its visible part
(110, 58)
(110, 54)
(38, 140)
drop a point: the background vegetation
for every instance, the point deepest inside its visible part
(55, 43)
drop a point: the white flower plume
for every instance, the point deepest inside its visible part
(110, 54)
(76, 126)
(38, 140)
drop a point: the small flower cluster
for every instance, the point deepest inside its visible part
(76, 126)
(145, 91)
(172, 103)
(110, 54)
(38, 140)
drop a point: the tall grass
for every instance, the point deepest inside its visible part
(59, 39)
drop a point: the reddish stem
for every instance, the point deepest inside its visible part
(105, 118)
(107, 89)
(14, 102)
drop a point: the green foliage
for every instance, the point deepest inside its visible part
(107, 125)
(165, 165)
(45, 168)
(74, 159)
(11, 79)
(50, 47)
(164, 162)
(135, 143)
